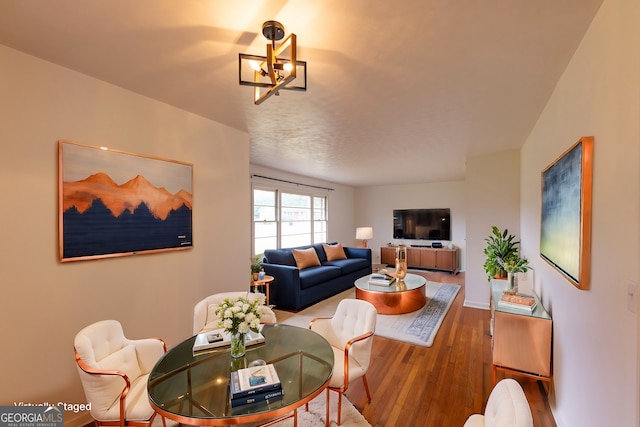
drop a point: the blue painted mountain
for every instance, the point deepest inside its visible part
(101, 217)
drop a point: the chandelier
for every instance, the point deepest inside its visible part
(274, 72)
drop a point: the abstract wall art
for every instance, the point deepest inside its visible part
(565, 240)
(113, 203)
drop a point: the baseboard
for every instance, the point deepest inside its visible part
(80, 420)
(476, 304)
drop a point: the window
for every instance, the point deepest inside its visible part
(283, 219)
(265, 227)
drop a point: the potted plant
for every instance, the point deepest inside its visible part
(256, 266)
(513, 266)
(501, 247)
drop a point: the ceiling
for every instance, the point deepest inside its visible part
(398, 92)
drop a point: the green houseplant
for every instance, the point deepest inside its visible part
(501, 249)
(516, 265)
(256, 266)
(513, 266)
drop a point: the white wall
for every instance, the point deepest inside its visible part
(595, 336)
(375, 205)
(44, 303)
(492, 195)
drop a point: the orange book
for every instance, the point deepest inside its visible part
(517, 301)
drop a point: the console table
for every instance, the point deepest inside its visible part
(521, 341)
(424, 257)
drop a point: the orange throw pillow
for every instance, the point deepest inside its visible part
(306, 258)
(334, 252)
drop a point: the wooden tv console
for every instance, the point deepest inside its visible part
(429, 258)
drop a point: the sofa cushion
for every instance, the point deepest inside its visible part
(317, 275)
(349, 265)
(334, 252)
(305, 258)
(280, 256)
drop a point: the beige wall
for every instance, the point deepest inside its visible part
(375, 205)
(492, 196)
(43, 302)
(595, 336)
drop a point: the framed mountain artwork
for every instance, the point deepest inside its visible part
(565, 231)
(113, 203)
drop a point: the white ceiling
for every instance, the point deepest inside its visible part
(398, 92)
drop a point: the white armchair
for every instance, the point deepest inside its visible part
(507, 407)
(204, 312)
(350, 333)
(114, 371)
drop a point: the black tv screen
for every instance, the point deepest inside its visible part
(426, 224)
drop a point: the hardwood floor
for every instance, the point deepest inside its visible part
(440, 385)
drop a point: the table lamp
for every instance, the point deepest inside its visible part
(364, 234)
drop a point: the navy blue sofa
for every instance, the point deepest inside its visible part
(295, 289)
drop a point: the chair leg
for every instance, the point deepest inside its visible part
(366, 387)
(339, 406)
(327, 423)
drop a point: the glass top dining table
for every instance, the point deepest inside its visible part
(194, 389)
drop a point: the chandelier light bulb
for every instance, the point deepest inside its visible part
(255, 65)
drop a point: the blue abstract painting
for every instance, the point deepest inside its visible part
(565, 202)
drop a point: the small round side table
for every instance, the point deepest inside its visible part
(266, 282)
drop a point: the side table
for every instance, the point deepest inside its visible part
(266, 282)
(522, 341)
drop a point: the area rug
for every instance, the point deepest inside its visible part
(316, 415)
(419, 327)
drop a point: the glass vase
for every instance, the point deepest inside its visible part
(512, 282)
(401, 262)
(237, 345)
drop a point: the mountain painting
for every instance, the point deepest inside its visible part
(114, 203)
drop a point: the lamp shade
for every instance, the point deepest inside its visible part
(364, 233)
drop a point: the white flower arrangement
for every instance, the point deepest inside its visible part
(240, 315)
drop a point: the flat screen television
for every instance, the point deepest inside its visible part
(426, 224)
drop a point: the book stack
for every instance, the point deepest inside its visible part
(255, 384)
(206, 341)
(380, 280)
(518, 302)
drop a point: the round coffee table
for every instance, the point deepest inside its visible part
(194, 389)
(397, 298)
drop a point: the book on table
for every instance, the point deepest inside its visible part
(215, 339)
(380, 280)
(518, 302)
(254, 384)
(265, 396)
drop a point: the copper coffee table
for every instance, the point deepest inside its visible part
(400, 297)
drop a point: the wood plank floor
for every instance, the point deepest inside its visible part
(441, 385)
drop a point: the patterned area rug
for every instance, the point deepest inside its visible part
(419, 327)
(316, 415)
